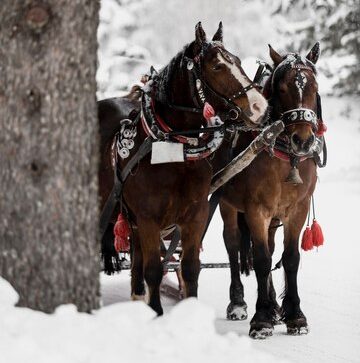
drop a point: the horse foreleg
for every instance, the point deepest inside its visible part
(261, 324)
(137, 269)
(191, 232)
(277, 312)
(237, 308)
(293, 316)
(149, 236)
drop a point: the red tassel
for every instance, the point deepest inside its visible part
(122, 234)
(317, 235)
(322, 128)
(307, 240)
(208, 111)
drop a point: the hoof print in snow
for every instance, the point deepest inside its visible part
(236, 312)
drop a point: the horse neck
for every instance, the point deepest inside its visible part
(179, 93)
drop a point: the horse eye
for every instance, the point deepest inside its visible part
(217, 67)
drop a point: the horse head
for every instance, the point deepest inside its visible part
(222, 82)
(292, 91)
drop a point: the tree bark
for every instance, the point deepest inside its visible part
(49, 152)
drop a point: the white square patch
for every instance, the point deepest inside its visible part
(167, 152)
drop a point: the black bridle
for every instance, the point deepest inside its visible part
(201, 91)
(300, 116)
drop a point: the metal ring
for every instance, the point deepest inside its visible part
(236, 112)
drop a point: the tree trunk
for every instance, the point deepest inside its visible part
(49, 152)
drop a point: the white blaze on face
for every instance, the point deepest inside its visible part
(300, 82)
(257, 102)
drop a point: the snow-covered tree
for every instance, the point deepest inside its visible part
(336, 24)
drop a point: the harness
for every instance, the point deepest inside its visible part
(282, 147)
(198, 143)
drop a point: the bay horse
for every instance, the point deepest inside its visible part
(255, 201)
(177, 99)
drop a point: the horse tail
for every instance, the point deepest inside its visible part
(109, 256)
(246, 257)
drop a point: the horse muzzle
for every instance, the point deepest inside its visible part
(301, 146)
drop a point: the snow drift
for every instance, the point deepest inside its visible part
(125, 331)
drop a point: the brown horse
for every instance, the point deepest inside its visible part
(264, 197)
(159, 195)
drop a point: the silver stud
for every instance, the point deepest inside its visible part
(130, 144)
(293, 116)
(127, 133)
(124, 153)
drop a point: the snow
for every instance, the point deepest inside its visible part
(127, 331)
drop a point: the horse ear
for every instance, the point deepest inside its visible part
(314, 53)
(218, 36)
(275, 56)
(200, 36)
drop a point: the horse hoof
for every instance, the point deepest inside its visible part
(236, 312)
(298, 330)
(297, 325)
(260, 328)
(261, 333)
(135, 297)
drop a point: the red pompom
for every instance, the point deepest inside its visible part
(307, 240)
(322, 128)
(122, 234)
(317, 235)
(208, 111)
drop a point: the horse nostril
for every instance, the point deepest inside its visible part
(311, 139)
(309, 142)
(296, 139)
(255, 107)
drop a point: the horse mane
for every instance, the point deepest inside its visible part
(166, 74)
